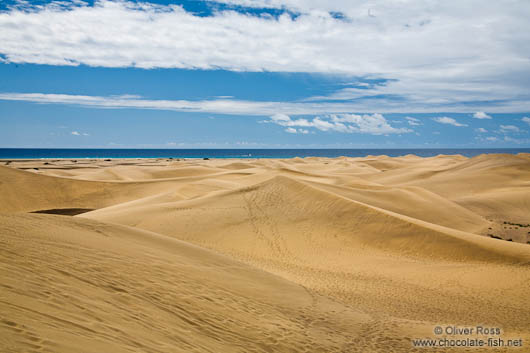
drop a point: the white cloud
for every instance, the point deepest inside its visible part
(509, 128)
(447, 120)
(464, 54)
(280, 117)
(374, 124)
(324, 125)
(413, 121)
(481, 130)
(292, 130)
(526, 120)
(119, 33)
(491, 138)
(77, 133)
(481, 115)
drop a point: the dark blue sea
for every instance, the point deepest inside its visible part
(37, 153)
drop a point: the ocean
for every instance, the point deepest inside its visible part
(51, 153)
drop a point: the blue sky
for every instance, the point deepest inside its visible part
(264, 74)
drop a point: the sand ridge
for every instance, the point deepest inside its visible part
(343, 254)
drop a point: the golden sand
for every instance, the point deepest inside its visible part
(298, 255)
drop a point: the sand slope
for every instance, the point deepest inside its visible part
(74, 285)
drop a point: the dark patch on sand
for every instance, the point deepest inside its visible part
(65, 211)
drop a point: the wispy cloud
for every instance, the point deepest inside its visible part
(223, 106)
(517, 141)
(413, 121)
(509, 128)
(481, 130)
(448, 121)
(526, 120)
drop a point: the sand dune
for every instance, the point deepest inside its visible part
(312, 254)
(27, 191)
(93, 287)
(479, 174)
(493, 186)
(285, 202)
(412, 201)
(327, 242)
